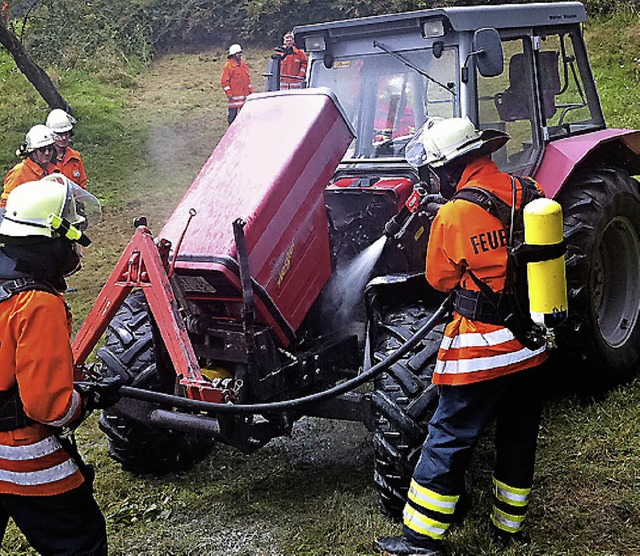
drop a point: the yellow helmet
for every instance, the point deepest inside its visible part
(49, 208)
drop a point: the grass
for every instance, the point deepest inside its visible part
(614, 48)
(143, 141)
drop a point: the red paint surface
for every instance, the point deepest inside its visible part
(402, 187)
(561, 157)
(270, 169)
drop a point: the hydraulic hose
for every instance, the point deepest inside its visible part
(211, 407)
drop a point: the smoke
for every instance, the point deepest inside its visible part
(344, 294)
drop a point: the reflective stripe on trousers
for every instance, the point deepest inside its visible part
(510, 506)
(427, 512)
(461, 416)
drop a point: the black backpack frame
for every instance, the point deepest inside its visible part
(510, 307)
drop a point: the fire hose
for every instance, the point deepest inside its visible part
(211, 407)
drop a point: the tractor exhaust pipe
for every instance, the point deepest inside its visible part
(185, 422)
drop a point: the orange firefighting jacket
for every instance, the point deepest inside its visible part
(236, 82)
(71, 165)
(465, 237)
(24, 171)
(36, 354)
(293, 70)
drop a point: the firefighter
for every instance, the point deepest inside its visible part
(68, 160)
(293, 66)
(482, 370)
(236, 81)
(44, 485)
(38, 151)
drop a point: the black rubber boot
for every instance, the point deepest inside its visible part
(505, 539)
(399, 546)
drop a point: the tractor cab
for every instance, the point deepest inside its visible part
(519, 69)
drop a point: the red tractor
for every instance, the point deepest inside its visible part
(253, 305)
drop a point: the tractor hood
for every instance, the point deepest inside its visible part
(270, 169)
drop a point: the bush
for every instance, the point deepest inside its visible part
(104, 35)
(96, 35)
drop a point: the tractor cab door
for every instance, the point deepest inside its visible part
(545, 92)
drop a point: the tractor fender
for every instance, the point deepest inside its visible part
(562, 157)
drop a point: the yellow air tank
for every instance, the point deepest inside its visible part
(546, 278)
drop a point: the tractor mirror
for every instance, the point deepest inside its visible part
(488, 50)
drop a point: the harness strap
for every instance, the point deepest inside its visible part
(9, 288)
(505, 308)
(475, 306)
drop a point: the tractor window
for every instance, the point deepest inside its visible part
(386, 100)
(507, 103)
(565, 102)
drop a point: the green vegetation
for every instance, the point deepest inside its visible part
(614, 47)
(144, 137)
(123, 33)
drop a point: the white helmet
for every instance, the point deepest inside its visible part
(37, 137)
(60, 121)
(234, 49)
(48, 208)
(441, 141)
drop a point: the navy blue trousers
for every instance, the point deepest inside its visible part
(515, 401)
(64, 524)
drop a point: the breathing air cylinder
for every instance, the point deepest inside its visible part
(547, 281)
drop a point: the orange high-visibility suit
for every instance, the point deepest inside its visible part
(465, 236)
(24, 171)
(483, 371)
(72, 166)
(293, 69)
(35, 354)
(236, 82)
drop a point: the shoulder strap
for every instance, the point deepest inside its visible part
(488, 201)
(507, 214)
(9, 288)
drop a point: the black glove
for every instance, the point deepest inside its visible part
(431, 204)
(100, 394)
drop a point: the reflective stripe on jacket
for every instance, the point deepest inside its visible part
(465, 237)
(293, 70)
(236, 82)
(24, 171)
(71, 165)
(36, 354)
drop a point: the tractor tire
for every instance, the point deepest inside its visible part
(403, 402)
(602, 226)
(130, 352)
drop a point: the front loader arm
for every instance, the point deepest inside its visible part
(141, 266)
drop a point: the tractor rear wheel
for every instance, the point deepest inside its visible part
(602, 226)
(404, 400)
(130, 352)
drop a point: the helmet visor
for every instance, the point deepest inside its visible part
(80, 210)
(416, 152)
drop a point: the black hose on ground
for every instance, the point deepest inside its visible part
(212, 407)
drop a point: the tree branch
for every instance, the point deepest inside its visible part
(32, 71)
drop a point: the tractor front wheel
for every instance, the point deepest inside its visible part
(130, 352)
(403, 400)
